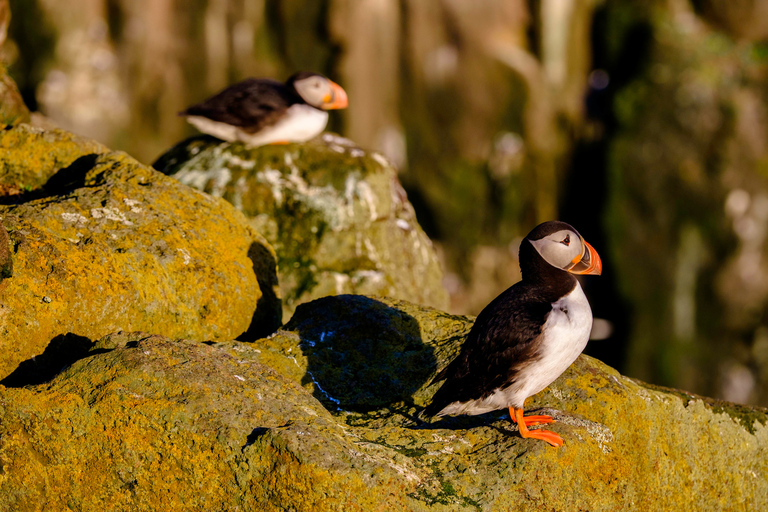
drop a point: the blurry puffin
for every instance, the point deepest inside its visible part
(261, 111)
(527, 336)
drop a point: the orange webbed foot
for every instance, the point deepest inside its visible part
(544, 435)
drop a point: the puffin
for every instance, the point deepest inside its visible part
(259, 111)
(527, 336)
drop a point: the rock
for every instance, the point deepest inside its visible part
(150, 420)
(336, 215)
(29, 156)
(157, 424)
(108, 244)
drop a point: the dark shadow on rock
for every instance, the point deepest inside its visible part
(268, 316)
(63, 181)
(61, 352)
(254, 435)
(71, 177)
(362, 354)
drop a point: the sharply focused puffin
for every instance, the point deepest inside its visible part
(261, 111)
(527, 336)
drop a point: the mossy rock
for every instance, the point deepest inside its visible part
(160, 424)
(157, 424)
(108, 244)
(337, 216)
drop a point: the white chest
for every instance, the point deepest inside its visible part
(300, 123)
(563, 337)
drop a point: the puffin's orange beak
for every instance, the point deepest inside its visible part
(336, 99)
(587, 263)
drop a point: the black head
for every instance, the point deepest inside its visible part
(555, 248)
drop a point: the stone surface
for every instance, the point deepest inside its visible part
(108, 244)
(156, 424)
(149, 423)
(337, 216)
(29, 156)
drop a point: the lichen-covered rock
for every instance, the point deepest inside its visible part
(109, 244)
(29, 156)
(157, 424)
(337, 216)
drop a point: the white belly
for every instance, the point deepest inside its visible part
(564, 336)
(300, 123)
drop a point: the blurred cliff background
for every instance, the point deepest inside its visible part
(642, 123)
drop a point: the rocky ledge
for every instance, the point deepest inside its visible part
(323, 416)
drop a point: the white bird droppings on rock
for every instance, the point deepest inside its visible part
(73, 218)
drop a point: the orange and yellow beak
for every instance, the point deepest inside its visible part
(588, 263)
(336, 99)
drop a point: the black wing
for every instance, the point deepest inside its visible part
(504, 334)
(252, 104)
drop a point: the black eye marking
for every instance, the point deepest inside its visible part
(566, 240)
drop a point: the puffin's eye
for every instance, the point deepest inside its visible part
(566, 240)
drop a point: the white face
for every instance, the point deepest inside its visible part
(562, 249)
(315, 90)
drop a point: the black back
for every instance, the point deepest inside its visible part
(505, 334)
(252, 104)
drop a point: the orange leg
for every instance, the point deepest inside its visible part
(523, 422)
(531, 420)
